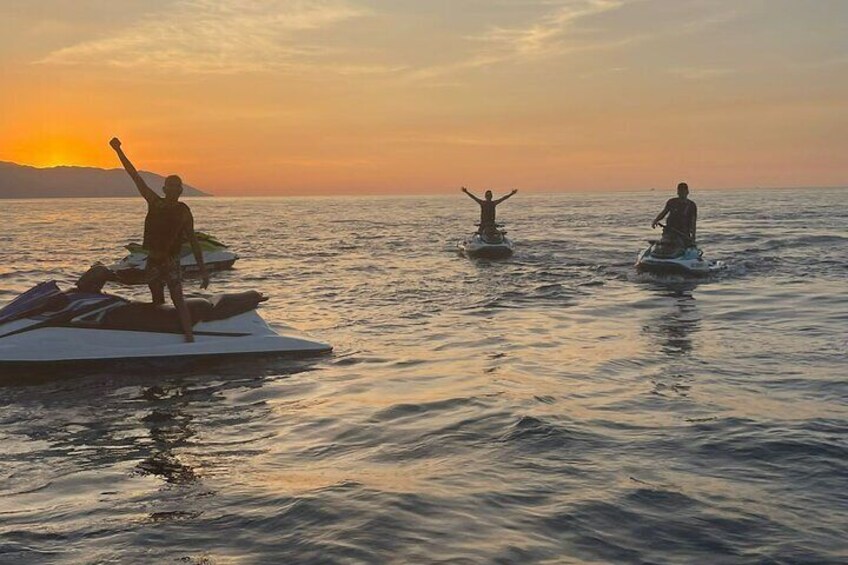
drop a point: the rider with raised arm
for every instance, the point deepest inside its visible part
(487, 209)
(167, 225)
(682, 218)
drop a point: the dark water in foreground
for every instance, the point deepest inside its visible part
(552, 408)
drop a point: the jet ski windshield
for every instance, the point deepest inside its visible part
(43, 296)
(75, 303)
(206, 242)
(45, 302)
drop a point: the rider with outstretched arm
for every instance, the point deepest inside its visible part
(167, 225)
(487, 208)
(682, 216)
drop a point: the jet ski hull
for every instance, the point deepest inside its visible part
(131, 268)
(475, 246)
(77, 328)
(689, 263)
(216, 257)
(243, 334)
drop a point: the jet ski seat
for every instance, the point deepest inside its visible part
(228, 305)
(492, 237)
(663, 251)
(143, 316)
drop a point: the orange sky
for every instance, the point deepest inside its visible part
(370, 96)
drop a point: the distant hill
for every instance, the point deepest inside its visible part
(21, 181)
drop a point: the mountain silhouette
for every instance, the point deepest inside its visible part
(22, 181)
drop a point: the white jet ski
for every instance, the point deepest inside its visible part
(216, 257)
(489, 244)
(46, 327)
(669, 256)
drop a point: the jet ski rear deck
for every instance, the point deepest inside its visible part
(46, 327)
(689, 261)
(488, 245)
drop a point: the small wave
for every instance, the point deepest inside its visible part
(532, 434)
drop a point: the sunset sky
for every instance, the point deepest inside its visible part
(376, 96)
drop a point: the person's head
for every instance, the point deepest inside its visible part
(488, 195)
(682, 190)
(173, 187)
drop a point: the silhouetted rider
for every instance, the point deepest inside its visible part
(682, 217)
(487, 208)
(167, 225)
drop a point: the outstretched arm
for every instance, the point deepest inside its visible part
(502, 198)
(143, 189)
(465, 190)
(196, 250)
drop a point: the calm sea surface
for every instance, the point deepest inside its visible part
(552, 408)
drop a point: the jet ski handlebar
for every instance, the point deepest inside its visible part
(678, 232)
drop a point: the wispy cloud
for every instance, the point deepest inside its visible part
(217, 36)
(554, 33)
(291, 36)
(547, 35)
(570, 27)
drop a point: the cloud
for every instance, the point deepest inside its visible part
(216, 36)
(554, 33)
(547, 35)
(565, 27)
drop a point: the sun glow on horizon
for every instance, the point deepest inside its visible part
(47, 149)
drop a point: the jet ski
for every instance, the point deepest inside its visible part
(47, 327)
(216, 257)
(676, 255)
(488, 244)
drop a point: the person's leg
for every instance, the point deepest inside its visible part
(157, 291)
(154, 276)
(175, 289)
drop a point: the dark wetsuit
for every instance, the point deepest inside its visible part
(166, 227)
(682, 214)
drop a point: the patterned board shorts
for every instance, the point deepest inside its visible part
(165, 270)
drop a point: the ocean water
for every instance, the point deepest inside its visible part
(552, 408)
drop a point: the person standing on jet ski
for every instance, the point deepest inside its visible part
(487, 209)
(682, 218)
(168, 223)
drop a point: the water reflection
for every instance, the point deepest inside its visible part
(673, 327)
(174, 406)
(155, 424)
(170, 427)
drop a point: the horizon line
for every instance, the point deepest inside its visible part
(437, 194)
